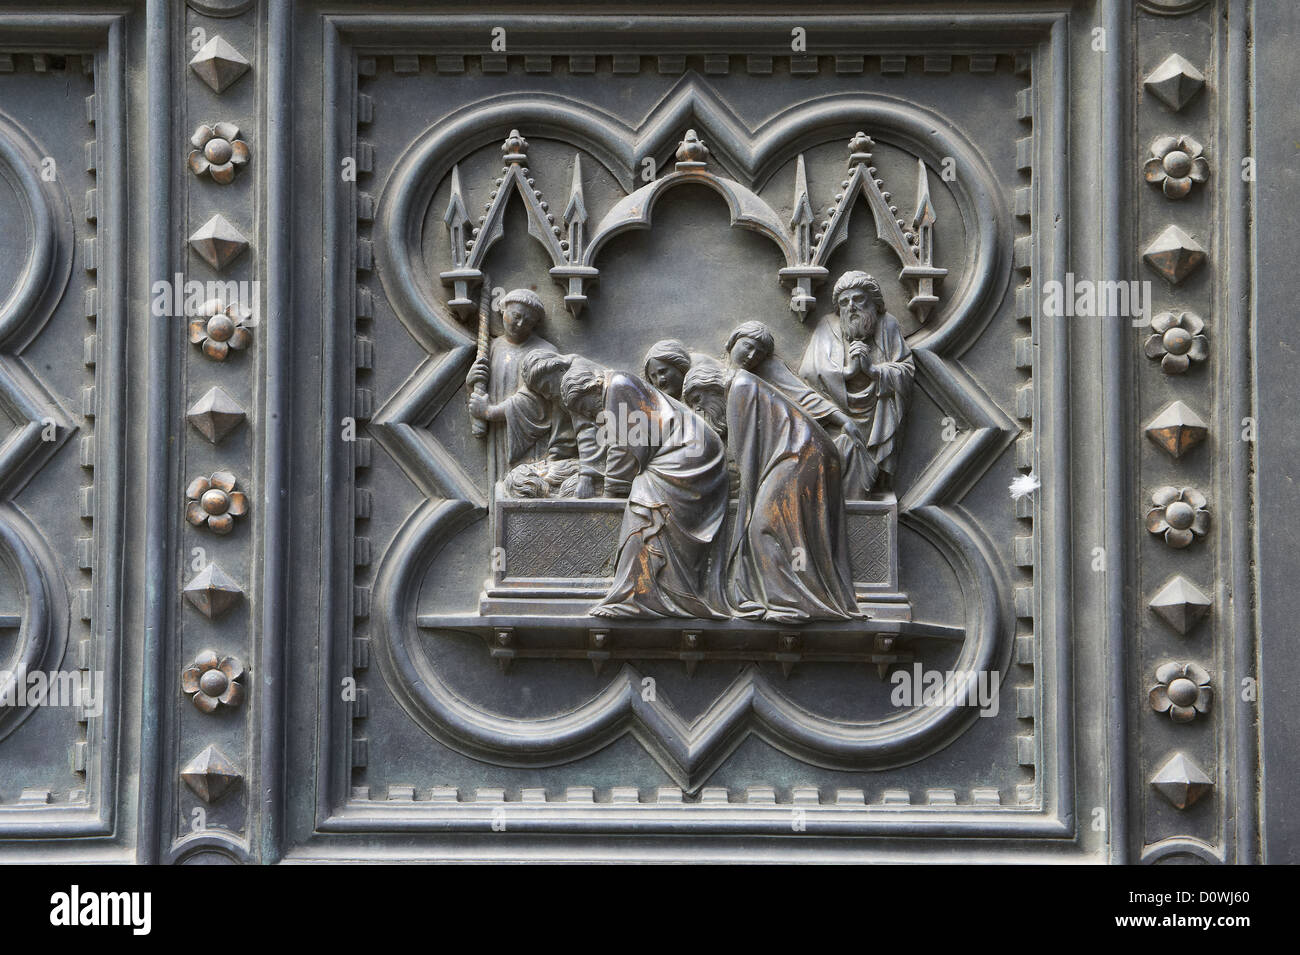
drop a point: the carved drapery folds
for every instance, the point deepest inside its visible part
(525, 614)
(610, 436)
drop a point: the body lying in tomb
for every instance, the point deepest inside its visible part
(557, 555)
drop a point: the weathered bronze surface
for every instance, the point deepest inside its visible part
(849, 431)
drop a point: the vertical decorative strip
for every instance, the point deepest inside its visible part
(328, 664)
(91, 565)
(1026, 457)
(158, 469)
(111, 367)
(277, 322)
(1182, 782)
(1238, 299)
(362, 299)
(1053, 441)
(1115, 113)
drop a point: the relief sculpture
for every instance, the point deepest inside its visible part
(847, 432)
(731, 494)
(787, 561)
(859, 360)
(531, 430)
(731, 475)
(563, 427)
(672, 468)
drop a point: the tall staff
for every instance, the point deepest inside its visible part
(479, 426)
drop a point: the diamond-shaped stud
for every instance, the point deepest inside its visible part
(1181, 781)
(1174, 254)
(210, 775)
(1177, 429)
(215, 415)
(1174, 82)
(218, 242)
(212, 591)
(219, 64)
(1181, 604)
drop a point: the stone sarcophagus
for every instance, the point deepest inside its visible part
(555, 559)
(847, 432)
(564, 551)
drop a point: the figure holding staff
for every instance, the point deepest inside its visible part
(526, 430)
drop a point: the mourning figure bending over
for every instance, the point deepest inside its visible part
(787, 561)
(540, 374)
(672, 467)
(752, 348)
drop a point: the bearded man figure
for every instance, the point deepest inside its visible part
(788, 560)
(859, 360)
(752, 347)
(673, 468)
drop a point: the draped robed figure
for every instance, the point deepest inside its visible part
(873, 387)
(534, 427)
(673, 467)
(787, 561)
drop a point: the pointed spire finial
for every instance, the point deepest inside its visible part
(576, 210)
(457, 218)
(691, 152)
(924, 215)
(860, 147)
(803, 211)
(575, 215)
(515, 148)
(801, 218)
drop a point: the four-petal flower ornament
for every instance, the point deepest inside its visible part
(1178, 340)
(1176, 163)
(212, 681)
(221, 328)
(1182, 690)
(1179, 514)
(218, 152)
(215, 502)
